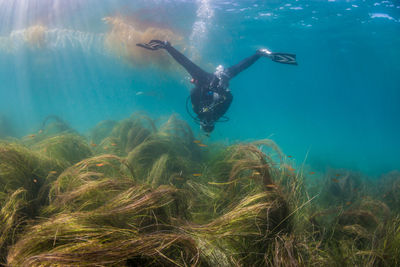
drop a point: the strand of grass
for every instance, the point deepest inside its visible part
(132, 209)
(90, 169)
(300, 173)
(226, 183)
(177, 128)
(96, 252)
(67, 149)
(248, 216)
(20, 167)
(295, 211)
(11, 219)
(158, 173)
(88, 196)
(270, 143)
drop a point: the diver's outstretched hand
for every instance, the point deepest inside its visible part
(278, 57)
(155, 45)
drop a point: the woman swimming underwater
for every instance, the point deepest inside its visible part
(211, 96)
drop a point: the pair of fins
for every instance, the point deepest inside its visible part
(283, 58)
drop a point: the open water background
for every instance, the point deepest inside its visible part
(340, 106)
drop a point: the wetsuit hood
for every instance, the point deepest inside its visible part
(208, 127)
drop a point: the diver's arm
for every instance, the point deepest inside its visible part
(195, 71)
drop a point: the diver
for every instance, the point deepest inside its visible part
(211, 96)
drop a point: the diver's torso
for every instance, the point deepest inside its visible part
(212, 99)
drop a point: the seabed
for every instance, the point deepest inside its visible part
(135, 193)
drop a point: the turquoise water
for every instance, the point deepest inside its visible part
(340, 106)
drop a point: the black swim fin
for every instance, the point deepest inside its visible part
(283, 58)
(154, 45)
(147, 46)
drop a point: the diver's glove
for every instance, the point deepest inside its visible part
(278, 57)
(155, 45)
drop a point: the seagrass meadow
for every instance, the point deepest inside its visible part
(139, 193)
(116, 150)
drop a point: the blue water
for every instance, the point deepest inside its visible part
(340, 106)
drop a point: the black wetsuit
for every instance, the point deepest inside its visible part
(211, 96)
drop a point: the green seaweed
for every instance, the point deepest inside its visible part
(389, 190)
(67, 149)
(11, 218)
(23, 183)
(101, 131)
(23, 168)
(127, 134)
(166, 155)
(136, 223)
(54, 125)
(88, 184)
(134, 194)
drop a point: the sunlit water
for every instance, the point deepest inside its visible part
(340, 106)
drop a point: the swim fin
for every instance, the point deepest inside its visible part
(283, 58)
(154, 45)
(147, 46)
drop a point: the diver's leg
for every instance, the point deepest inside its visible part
(242, 65)
(195, 71)
(247, 62)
